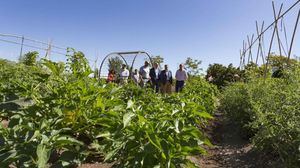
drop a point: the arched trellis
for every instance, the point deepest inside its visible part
(122, 55)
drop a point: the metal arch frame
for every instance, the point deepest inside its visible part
(121, 55)
(138, 53)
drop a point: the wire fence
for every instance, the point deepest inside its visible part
(24, 44)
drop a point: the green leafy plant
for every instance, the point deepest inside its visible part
(268, 111)
(66, 118)
(29, 58)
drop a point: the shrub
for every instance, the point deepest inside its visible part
(222, 76)
(202, 92)
(270, 111)
(29, 58)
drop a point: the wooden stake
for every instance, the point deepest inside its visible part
(293, 37)
(21, 51)
(270, 48)
(276, 27)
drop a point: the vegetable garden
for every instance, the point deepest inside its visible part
(58, 116)
(54, 114)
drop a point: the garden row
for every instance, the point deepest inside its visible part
(58, 117)
(268, 112)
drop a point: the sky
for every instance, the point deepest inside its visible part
(208, 30)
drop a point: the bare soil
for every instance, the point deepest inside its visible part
(231, 150)
(4, 123)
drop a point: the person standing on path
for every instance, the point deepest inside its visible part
(166, 80)
(124, 74)
(181, 76)
(154, 75)
(145, 74)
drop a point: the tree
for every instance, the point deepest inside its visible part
(157, 59)
(29, 58)
(193, 66)
(280, 62)
(222, 76)
(77, 63)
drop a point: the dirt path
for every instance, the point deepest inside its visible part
(231, 150)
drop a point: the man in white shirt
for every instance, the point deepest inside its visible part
(181, 76)
(124, 74)
(145, 73)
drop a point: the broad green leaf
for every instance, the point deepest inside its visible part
(182, 105)
(35, 135)
(5, 156)
(203, 115)
(175, 111)
(176, 126)
(43, 154)
(129, 104)
(154, 142)
(118, 108)
(105, 134)
(66, 140)
(207, 142)
(141, 120)
(193, 150)
(111, 154)
(127, 118)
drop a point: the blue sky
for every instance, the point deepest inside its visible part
(208, 30)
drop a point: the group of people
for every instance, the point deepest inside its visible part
(160, 80)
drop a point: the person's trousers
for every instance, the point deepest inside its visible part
(124, 81)
(155, 85)
(144, 82)
(166, 88)
(179, 86)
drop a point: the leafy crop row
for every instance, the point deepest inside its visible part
(269, 112)
(60, 117)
